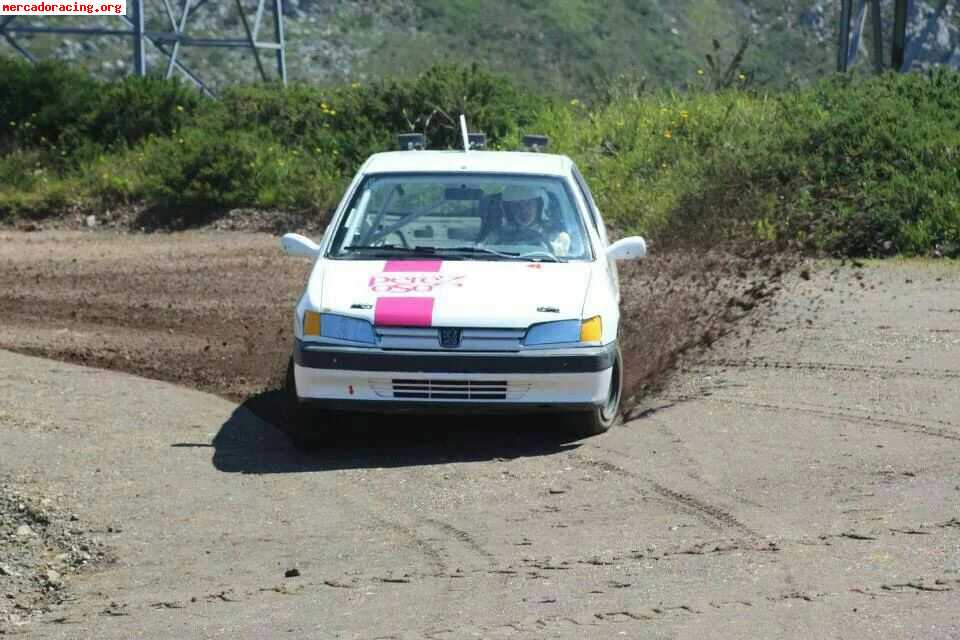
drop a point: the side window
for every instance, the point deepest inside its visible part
(591, 204)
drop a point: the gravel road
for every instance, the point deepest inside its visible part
(798, 480)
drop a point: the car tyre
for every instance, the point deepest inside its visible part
(600, 419)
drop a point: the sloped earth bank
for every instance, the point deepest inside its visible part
(213, 311)
(799, 479)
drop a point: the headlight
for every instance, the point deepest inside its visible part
(343, 328)
(591, 330)
(553, 333)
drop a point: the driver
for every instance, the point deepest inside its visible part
(523, 209)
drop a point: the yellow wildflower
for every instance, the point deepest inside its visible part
(700, 72)
(668, 134)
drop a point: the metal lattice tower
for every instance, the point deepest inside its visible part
(904, 50)
(169, 43)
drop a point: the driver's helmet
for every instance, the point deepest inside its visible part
(522, 204)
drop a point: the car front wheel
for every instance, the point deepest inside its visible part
(600, 419)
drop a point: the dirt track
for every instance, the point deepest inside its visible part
(803, 485)
(213, 310)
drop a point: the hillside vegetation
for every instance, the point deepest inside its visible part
(557, 46)
(833, 167)
(563, 47)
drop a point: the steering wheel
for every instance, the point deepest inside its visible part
(538, 240)
(547, 250)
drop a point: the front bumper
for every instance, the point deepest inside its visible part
(374, 379)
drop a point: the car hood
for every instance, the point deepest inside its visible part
(457, 293)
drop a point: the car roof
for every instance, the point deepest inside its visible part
(474, 161)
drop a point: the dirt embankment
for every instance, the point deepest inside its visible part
(209, 311)
(212, 310)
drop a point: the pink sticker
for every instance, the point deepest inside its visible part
(403, 312)
(412, 266)
(413, 282)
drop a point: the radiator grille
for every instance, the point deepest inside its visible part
(450, 389)
(455, 389)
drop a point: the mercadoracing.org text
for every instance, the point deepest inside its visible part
(117, 7)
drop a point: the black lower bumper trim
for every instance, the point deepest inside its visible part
(391, 406)
(585, 360)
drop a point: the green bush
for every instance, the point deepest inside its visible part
(72, 116)
(39, 102)
(848, 166)
(355, 121)
(882, 163)
(133, 109)
(234, 169)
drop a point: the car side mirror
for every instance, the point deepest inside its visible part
(294, 244)
(628, 249)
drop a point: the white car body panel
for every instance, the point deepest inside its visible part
(466, 293)
(463, 294)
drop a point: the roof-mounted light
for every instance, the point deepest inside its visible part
(536, 143)
(412, 141)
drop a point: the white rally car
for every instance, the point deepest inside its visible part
(465, 280)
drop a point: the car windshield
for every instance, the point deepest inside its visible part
(462, 216)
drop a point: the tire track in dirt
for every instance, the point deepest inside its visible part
(712, 515)
(464, 538)
(691, 466)
(371, 508)
(430, 536)
(839, 413)
(928, 422)
(612, 621)
(884, 370)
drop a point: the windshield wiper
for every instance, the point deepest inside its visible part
(451, 253)
(389, 250)
(502, 254)
(483, 251)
